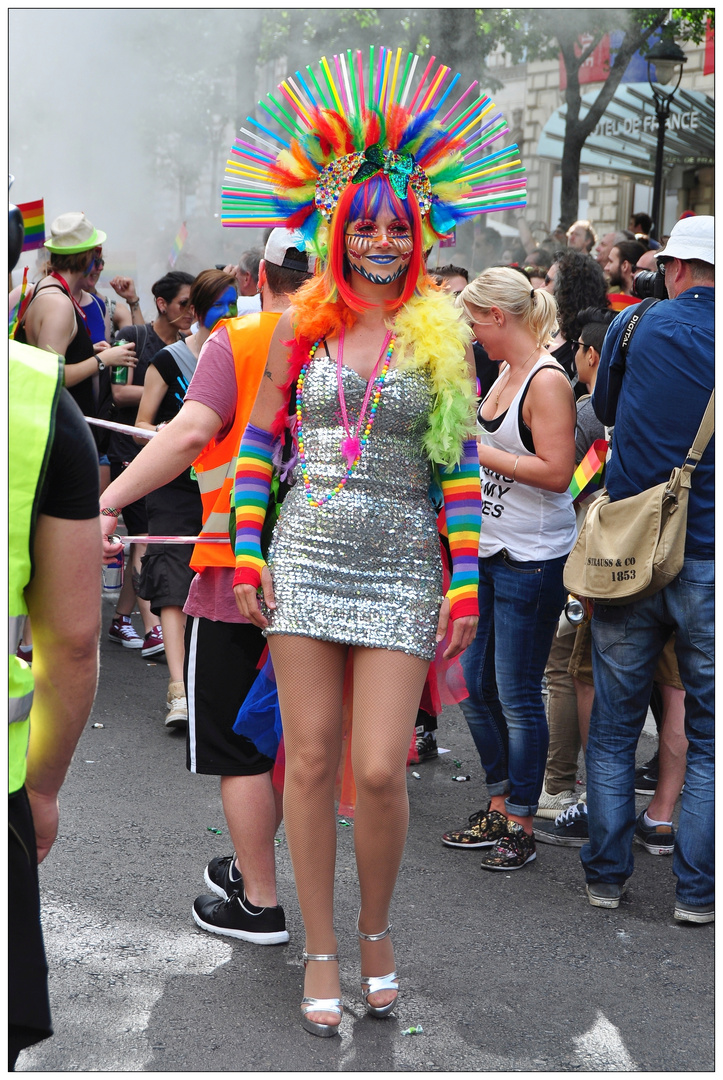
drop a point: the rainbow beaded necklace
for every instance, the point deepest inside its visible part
(352, 445)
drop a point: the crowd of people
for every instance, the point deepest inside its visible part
(280, 394)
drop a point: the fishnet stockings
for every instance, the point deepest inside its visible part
(387, 689)
(310, 680)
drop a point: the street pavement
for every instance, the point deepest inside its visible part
(504, 972)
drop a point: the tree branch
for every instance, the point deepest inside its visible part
(632, 42)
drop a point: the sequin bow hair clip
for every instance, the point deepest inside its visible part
(345, 124)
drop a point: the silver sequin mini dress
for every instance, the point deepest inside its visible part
(364, 568)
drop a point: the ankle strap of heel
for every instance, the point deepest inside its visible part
(371, 937)
(305, 956)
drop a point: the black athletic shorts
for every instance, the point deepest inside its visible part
(28, 1003)
(165, 572)
(219, 670)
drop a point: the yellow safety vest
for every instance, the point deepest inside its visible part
(36, 379)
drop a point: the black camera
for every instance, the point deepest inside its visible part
(650, 283)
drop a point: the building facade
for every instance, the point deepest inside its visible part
(618, 161)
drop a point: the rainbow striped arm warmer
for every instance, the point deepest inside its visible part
(252, 484)
(463, 511)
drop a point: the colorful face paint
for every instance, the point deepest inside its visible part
(224, 307)
(379, 249)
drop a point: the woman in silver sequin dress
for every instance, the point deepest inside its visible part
(354, 563)
(364, 569)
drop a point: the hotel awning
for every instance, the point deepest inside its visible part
(625, 139)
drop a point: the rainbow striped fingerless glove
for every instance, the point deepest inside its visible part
(463, 511)
(252, 484)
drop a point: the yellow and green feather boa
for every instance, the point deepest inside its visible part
(431, 335)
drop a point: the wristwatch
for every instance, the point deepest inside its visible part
(101, 365)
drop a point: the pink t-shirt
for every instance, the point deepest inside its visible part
(214, 385)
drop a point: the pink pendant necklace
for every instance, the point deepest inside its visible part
(351, 443)
(352, 446)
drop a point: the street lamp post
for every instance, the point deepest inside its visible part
(667, 59)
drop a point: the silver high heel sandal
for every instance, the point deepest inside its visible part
(374, 983)
(312, 1004)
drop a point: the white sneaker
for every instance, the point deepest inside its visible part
(550, 806)
(177, 705)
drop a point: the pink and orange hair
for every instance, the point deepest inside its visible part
(329, 300)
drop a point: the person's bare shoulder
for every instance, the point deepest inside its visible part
(51, 304)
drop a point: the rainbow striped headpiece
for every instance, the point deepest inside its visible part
(340, 125)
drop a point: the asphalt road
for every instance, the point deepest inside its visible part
(506, 972)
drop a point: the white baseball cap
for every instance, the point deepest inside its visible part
(691, 238)
(277, 251)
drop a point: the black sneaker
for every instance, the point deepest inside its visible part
(646, 777)
(657, 839)
(512, 851)
(605, 894)
(694, 913)
(427, 746)
(238, 918)
(569, 829)
(485, 828)
(217, 876)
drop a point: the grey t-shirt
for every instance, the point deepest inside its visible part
(588, 428)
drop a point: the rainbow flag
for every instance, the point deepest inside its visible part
(177, 245)
(587, 477)
(620, 301)
(34, 223)
(15, 313)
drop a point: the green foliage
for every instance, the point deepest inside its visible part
(200, 97)
(537, 34)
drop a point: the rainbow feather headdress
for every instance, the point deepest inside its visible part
(342, 126)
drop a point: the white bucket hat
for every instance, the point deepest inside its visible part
(72, 232)
(691, 238)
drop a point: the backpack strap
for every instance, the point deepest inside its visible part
(703, 436)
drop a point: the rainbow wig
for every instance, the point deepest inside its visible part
(333, 132)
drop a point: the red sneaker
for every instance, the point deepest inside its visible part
(153, 642)
(123, 632)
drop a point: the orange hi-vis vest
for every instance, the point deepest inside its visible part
(215, 466)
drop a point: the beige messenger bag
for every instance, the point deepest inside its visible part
(634, 547)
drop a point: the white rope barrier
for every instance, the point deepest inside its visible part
(171, 539)
(125, 429)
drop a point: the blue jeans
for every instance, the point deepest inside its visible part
(626, 643)
(519, 606)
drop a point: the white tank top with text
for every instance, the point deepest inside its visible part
(531, 524)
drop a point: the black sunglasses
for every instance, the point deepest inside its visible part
(661, 265)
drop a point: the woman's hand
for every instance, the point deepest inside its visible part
(125, 288)
(247, 600)
(119, 355)
(464, 631)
